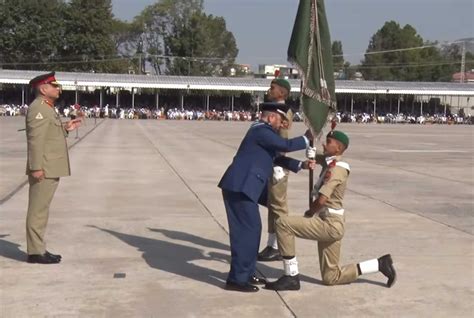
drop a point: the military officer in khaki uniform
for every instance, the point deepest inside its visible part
(277, 188)
(47, 161)
(324, 222)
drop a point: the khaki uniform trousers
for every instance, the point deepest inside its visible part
(277, 195)
(39, 199)
(328, 230)
(277, 201)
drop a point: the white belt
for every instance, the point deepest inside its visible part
(334, 211)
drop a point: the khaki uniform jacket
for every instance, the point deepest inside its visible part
(46, 138)
(335, 183)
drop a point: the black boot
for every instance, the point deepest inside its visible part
(386, 268)
(269, 254)
(255, 280)
(244, 288)
(57, 256)
(285, 283)
(42, 259)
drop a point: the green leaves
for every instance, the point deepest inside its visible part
(88, 25)
(30, 32)
(180, 39)
(413, 64)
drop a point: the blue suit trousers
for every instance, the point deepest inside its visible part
(245, 228)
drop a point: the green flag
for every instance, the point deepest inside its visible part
(310, 52)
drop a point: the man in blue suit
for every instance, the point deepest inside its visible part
(244, 186)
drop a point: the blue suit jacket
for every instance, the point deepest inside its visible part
(253, 164)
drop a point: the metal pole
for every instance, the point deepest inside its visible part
(430, 97)
(450, 103)
(445, 108)
(22, 95)
(352, 104)
(101, 98)
(421, 106)
(182, 102)
(133, 98)
(398, 111)
(258, 104)
(375, 106)
(77, 97)
(117, 98)
(232, 103)
(157, 100)
(207, 103)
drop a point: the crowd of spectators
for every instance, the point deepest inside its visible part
(177, 113)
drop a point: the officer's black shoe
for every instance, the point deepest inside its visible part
(254, 280)
(269, 254)
(53, 255)
(245, 288)
(285, 283)
(42, 259)
(386, 268)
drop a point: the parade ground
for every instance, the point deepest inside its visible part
(142, 228)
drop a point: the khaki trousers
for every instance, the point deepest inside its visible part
(39, 199)
(277, 201)
(277, 194)
(328, 230)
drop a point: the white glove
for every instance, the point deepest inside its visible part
(278, 173)
(311, 152)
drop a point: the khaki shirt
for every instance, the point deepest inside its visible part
(334, 184)
(46, 139)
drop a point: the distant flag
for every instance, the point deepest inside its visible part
(310, 51)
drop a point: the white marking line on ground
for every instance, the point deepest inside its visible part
(427, 150)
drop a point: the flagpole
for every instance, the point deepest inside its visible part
(311, 179)
(311, 172)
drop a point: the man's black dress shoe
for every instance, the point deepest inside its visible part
(53, 255)
(285, 283)
(269, 254)
(254, 280)
(245, 288)
(386, 268)
(42, 259)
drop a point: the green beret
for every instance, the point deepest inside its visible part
(339, 136)
(283, 83)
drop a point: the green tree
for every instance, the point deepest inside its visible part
(452, 54)
(128, 41)
(341, 66)
(89, 25)
(192, 42)
(31, 33)
(429, 63)
(210, 49)
(338, 56)
(160, 22)
(386, 66)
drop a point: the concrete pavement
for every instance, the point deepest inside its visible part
(143, 203)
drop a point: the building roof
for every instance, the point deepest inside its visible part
(468, 76)
(127, 81)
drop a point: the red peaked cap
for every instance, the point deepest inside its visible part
(43, 79)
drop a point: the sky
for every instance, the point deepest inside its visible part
(262, 28)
